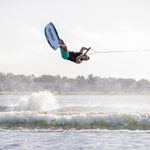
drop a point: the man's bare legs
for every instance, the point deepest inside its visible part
(63, 46)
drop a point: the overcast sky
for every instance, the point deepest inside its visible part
(100, 24)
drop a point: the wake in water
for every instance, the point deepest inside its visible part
(42, 101)
(41, 111)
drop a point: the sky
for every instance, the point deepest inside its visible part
(103, 25)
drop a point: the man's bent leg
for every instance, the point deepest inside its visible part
(63, 54)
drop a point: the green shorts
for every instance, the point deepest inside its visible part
(64, 55)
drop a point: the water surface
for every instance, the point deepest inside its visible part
(43, 121)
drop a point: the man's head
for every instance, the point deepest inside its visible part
(85, 58)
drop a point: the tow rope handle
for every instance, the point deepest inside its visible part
(87, 51)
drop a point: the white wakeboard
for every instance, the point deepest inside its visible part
(52, 36)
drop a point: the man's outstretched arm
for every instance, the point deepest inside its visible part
(83, 48)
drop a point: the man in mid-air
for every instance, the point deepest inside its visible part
(76, 57)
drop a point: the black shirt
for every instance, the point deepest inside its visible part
(73, 56)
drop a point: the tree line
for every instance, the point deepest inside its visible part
(22, 83)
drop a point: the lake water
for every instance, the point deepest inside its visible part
(46, 121)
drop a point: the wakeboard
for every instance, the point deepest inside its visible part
(52, 36)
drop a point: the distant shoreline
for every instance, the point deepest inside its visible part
(92, 85)
(79, 93)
